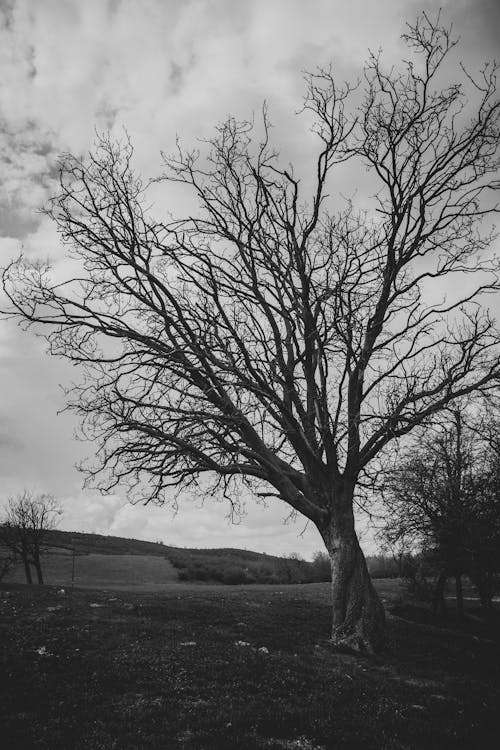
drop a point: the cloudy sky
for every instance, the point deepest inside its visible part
(157, 68)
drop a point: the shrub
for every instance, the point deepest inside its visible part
(234, 575)
(383, 566)
(321, 569)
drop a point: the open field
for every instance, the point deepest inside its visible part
(105, 561)
(96, 570)
(104, 670)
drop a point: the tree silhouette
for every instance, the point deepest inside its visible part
(23, 529)
(268, 338)
(443, 497)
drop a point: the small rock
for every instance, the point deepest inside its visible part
(42, 651)
(241, 643)
(113, 599)
(263, 650)
(417, 707)
(187, 643)
(94, 605)
(445, 698)
(54, 609)
(61, 592)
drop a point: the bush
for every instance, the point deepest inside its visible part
(321, 567)
(420, 573)
(383, 566)
(234, 575)
(234, 567)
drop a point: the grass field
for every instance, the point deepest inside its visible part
(104, 561)
(97, 570)
(240, 668)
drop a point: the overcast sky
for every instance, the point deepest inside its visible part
(158, 68)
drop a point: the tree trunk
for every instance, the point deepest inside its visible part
(482, 577)
(27, 569)
(358, 614)
(484, 586)
(38, 566)
(459, 595)
(439, 602)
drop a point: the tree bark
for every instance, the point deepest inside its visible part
(439, 602)
(483, 581)
(459, 594)
(38, 566)
(358, 619)
(27, 569)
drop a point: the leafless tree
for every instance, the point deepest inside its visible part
(24, 526)
(443, 498)
(7, 562)
(269, 338)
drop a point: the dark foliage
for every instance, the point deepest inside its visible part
(240, 567)
(443, 500)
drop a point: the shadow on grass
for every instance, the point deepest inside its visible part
(240, 668)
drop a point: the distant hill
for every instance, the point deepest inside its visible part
(84, 543)
(94, 560)
(99, 561)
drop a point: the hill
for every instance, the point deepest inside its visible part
(84, 543)
(94, 560)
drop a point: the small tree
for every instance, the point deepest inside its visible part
(443, 499)
(273, 338)
(321, 567)
(24, 528)
(7, 561)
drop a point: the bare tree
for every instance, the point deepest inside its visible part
(7, 562)
(443, 499)
(24, 527)
(267, 338)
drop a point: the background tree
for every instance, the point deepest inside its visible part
(443, 500)
(7, 561)
(23, 529)
(272, 337)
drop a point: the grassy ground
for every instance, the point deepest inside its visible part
(102, 561)
(97, 570)
(89, 670)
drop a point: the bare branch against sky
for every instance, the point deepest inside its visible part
(175, 68)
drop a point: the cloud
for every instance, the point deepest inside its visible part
(475, 22)
(6, 13)
(28, 168)
(194, 525)
(159, 68)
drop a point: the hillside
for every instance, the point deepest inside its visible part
(84, 543)
(100, 561)
(93, 560)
